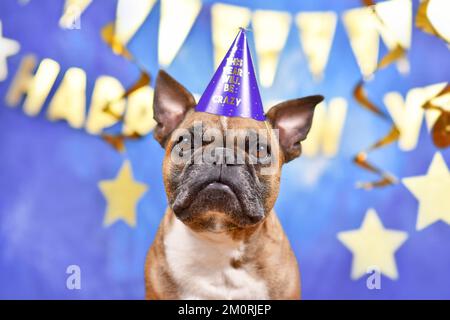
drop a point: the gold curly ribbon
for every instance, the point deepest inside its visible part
(360, 95)
(440, 133)
(361, 157)
(108, 35)
(441, 129)
(118, 141)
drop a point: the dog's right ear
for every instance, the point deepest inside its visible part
(170, 103)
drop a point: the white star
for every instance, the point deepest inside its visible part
(432, 191)
(373, 245)
(8, 48)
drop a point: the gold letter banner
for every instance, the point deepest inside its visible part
(117, 34)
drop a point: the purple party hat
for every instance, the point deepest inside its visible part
(233, 90)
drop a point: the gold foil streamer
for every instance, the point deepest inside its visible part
(360, 95)
(440, 133)
(119, 48)
(118, 141)
(361, 158)
(368, 2)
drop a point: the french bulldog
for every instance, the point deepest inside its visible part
(220, 237)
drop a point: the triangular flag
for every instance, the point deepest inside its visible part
(316, 35)
(177, 19)
(361, 26)
(130, 17)
(226, 21)
(396, 22)
(73, 9)
(270, 39)
(432, 17)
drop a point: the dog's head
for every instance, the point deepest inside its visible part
(223, 173)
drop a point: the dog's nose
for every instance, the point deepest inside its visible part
(225, 156)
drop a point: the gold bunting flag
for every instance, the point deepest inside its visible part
(361, 26)
(316, 36)
(433, 17)
(224, 29)
(270, 39)
(73, 9)
(129, 18)
(176, 21)
(395, 25)
(395, 28)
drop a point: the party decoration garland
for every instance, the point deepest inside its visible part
(108, 35)
(440, 132)
(432, 17)
(397, 52)
(316, 36)
(441, 128)
(361, 157)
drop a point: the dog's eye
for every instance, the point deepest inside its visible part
(263, 153)
(182, 139)
(183, 144)
(260, 153)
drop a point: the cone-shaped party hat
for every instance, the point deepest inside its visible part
(233, 90)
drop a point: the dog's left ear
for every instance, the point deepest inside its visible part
(293, 119)
(171, 101)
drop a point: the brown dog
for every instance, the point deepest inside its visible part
(220, 238)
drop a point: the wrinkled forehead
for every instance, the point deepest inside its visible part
(223, 123)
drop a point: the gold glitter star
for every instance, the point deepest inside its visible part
(373, 246)
(433, 193)
(122, 195)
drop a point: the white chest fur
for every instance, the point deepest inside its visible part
(200, 265)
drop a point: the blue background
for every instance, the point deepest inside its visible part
(51, 210)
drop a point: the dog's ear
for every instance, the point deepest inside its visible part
(293, 119)
(170, 103)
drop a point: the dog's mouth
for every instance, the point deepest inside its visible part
(207, 192)
(204, 194)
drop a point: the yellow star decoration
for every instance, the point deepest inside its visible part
(433, 193)
(122, 195)
(373, 246)
(8, 48)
